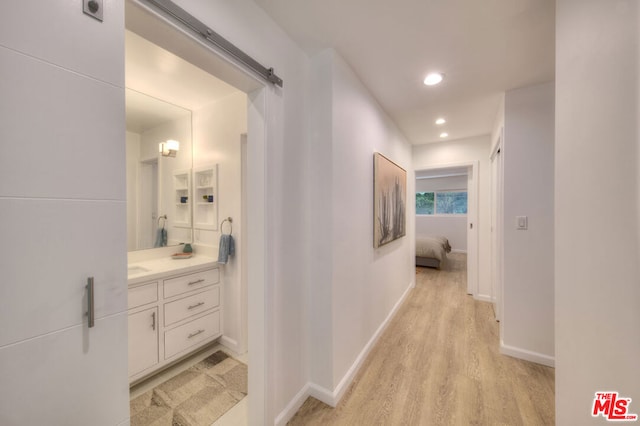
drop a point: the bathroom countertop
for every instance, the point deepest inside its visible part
(148, 270)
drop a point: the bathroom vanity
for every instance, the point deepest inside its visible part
(174, 309)
(174, 305)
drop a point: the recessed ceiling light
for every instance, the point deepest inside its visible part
(440, 121)
(444, 134)
(433, 78)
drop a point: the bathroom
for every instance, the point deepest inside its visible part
(64, 203)
(185, 198)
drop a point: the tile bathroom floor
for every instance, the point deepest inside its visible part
(236, 416)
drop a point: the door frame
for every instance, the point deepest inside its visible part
(497, 225)
(473, 207)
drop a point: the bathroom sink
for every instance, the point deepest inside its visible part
(132, 270)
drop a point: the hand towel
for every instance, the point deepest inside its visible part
(227, 248)
(161, 238)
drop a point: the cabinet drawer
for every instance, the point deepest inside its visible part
(191, 305)
(179, 285)
(191, 333)
(143, 294)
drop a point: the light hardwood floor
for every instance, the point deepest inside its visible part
(438, 363)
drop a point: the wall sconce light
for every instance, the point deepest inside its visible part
(169, 148)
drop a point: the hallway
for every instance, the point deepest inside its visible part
(438, 363)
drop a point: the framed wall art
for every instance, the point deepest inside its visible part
(389, 200)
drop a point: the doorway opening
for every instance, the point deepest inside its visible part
(239, 159)
(460, 229)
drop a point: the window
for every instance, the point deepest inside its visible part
(441, 202)
(425, 203)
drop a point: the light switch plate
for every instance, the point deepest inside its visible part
(522, 222)
(93, 8)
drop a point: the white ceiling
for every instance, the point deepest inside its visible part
(484, 47)
(164, 76)
(145, 112)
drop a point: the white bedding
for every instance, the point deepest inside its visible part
(432, 247)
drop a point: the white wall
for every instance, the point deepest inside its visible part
(133, 158)
(452, 227)
(179, 130)
(320, 201)
(358, 286)
(367, 282)
(597, 244)
(528, 155)
(460, 151)
(216, 140)
(441, 183)
(498, 125)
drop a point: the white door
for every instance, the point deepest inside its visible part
(62, 216)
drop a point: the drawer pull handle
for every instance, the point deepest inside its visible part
(196, 305)
(196, 281)
(153, 321)
(196, 333)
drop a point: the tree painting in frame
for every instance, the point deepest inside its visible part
(389, 200)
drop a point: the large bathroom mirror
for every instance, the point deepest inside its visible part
(159, 161)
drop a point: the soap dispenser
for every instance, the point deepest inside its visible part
(187, 248)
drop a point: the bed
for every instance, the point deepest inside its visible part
(431, 251)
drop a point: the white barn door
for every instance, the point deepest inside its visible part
(62, 215)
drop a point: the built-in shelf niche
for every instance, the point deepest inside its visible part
(205, 197)
(182, 199)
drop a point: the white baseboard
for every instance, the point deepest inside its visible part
(348, 378)
(325, 395)
(293, 406)
(322, 394)
(230, 343)
(458, 251)
(536, 357)
(483, 298)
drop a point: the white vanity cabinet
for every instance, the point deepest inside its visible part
(143, 340)
(171, 317)
(143, 327)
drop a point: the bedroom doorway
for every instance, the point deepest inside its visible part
(462, 230)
